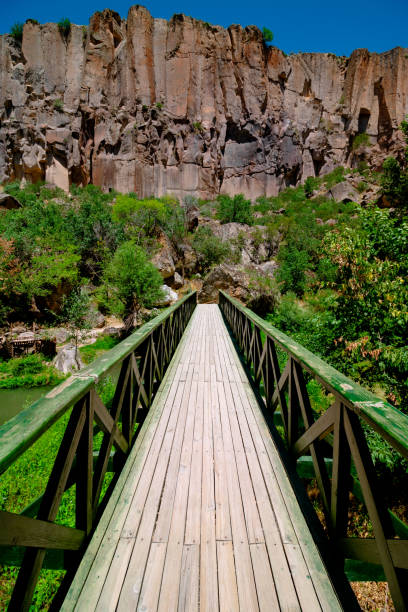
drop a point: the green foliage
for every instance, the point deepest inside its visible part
(210, 249)
(264, 293)
(130, 281)
(394, 180)
(291, 273)
(17, 31)
(64, 26)
(310, 185)
(59, 105)
(267, 35)
(360, 140)
(91, 351)
(236, 209)
(75, 313)
(198, 127)
(334, 177)
(159, 105)
(148, 218)
(28, 371)
(33, 21)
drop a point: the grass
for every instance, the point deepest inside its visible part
(28, 371)
(91, 351)
(59, 105)
(26, 479)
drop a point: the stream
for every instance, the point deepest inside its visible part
(13, 401)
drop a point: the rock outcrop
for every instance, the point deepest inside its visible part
(184, 107)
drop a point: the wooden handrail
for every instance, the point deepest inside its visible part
(143, 357)
(20, 432)
(336, 434)
(390, 422)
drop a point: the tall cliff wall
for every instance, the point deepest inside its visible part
(180, 106)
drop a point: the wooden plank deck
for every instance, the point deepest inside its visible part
(203, 516)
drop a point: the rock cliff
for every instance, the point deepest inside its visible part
(181, 106)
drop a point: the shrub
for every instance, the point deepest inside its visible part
(58, 105)
(198, 127)
(210, 249)
(291, 273)
(64, 26)
(267, 35)
(147, 218)
(310, 185)
(17, 31)
(33, 21)
(234, 209)
(159, 105)
(394, 180)
(360, 140)
(130, 281)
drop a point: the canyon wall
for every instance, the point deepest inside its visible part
(184, 107)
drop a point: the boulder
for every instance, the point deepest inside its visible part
(344, 192)
(169, 296)
(178, 281)
(233, 278)
(165, 258)
(68, 359)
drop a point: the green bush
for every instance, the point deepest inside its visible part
(311, 183)
(17, 31)
(198, 127)
(210, 249)
(267, 35)
(394, 180)
(59, 105)
(28, 371)
(360, 140)
(130, 281)
(236, 209)
(64, 26)
(291, 272)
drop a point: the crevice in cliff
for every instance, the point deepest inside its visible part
(384, 119)
(238, 134)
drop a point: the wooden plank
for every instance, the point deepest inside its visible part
(208, 553)
(172, 568)
(246, 583)
(19, 530)
(189, 585)
(99, 553)
(320, 578)
(141, 518)
(149, 596)
(193, 519)
(222, 510)
(227, 578)
(264, 580)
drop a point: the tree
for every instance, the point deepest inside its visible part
(75, 314)
(236, 209)
(211, 250)
(130, 281)
(394, 180)
(267, 35)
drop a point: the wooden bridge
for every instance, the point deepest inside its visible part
(206, 510)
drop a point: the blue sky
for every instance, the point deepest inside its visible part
(298, 25)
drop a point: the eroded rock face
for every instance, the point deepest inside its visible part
(182, 107)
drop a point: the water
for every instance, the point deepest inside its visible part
(13, 401)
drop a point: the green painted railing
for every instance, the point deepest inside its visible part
(143, 358)
(332, 438)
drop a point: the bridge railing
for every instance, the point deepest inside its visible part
(333, 438)
(142, 359)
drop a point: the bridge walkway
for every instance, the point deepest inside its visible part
(203, 516)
